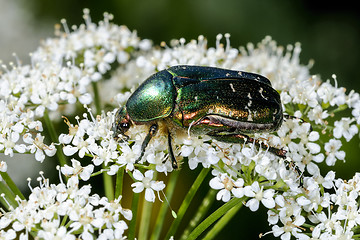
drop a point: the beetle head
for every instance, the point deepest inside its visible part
(121, 124)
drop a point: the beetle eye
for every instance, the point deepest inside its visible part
(125, 125)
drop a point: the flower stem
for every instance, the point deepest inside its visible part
(170, 189)
(54, 138)
(97, 100)
(202, 210)
(134, 209)
(187, 200)
(119, 182)
(9, 195)
(145, 219)
(213, 217)
(222, 222)
(108, 185)
(11, 184)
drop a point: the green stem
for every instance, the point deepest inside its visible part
(97, 173)
(187, 200)
(213, 217)
(97, 100)
(170, 189)
(64, 220)
(202, 210)
(119, 182)
(8, 195)
(222, 222)
(108, 185)
(145, 219)
(134, 209)
(54, 138)
(11, 184)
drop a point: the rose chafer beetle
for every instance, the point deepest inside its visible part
(223, 104)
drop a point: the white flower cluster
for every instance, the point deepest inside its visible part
(93, 138)
(55, 81)
(17, 125)
(65, 68)
(65, 211)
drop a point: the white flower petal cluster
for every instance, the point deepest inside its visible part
(17, 131)
(54, 82)
(144, 181)
(227, 186)
(51, 206)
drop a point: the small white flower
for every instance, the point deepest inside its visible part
(81, 145)
(331, 94)
(227, 186)
(259, 195)
(39, 147)
(332, 152)
(290, 228)
(128, 156)
(317, 114)
(345, 129)
(146, 182)
(77, 169)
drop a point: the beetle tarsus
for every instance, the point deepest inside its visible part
(292, 165)
(152, 131)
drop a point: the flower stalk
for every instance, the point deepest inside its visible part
(186, 202)
(160, 220)
(119, 182)
(133, 223)
(215, 216)
(200, 213)
(12, 186)
(7, 199)
(145, 220)
(224, 220)
(54, 138)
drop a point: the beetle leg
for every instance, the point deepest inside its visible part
(292, 165)
(237, 137)
(152, 131)
(171, 152)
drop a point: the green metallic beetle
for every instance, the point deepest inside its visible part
(223, 104)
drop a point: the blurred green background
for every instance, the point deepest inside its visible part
(329, 33)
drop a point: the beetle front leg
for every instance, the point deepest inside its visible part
(152, 131)
(242, 138)
(171, 153)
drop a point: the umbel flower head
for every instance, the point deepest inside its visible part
(88, 73)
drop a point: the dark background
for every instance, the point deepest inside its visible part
(329, 34)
